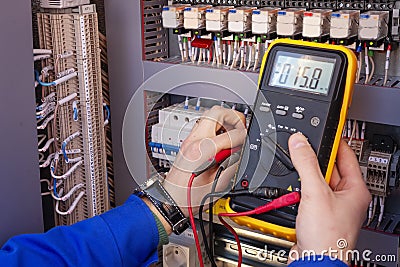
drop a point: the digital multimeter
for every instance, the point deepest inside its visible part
(303, 87)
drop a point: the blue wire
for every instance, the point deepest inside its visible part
(108, 112)
(63, 146)
(75, 114)
(37, 76)
(55, 187)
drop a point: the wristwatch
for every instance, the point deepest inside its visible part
(153, 190)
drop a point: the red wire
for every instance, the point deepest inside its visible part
(239, 247)
(191, 218)
(283, 201)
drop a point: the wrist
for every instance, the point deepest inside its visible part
(163, 205)
(165, 224)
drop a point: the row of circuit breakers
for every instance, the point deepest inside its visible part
(266, 23)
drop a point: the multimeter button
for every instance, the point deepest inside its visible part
(281, 112)
(265, 109)
(298, 116)
(315, 121)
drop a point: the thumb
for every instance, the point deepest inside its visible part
(306, 163)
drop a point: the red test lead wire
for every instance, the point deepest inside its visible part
(283, 201)
(217, 159)
(191, 218)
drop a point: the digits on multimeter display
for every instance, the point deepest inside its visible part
(302, 72)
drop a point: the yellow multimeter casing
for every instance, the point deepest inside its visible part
(303, 87)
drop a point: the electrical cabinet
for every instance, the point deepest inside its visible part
(151, 54)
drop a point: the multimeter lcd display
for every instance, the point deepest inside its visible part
(302, 72)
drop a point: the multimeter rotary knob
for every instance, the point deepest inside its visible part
(282, 164)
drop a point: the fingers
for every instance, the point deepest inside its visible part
(306, 163)
(335, 179)
(350, 173)
(348, 167)
(229, 139)
(215, 118)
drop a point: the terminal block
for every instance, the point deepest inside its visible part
(62, 3)
(290, 23)
(344, 26)
(373, 26)
(195, 17)
(316, 25)
(173, 16)
(359, 147)
(239, 19)
(264, 22)
(378, 173)
(217, 18)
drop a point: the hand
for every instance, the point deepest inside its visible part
(328, 213)
(203, 143)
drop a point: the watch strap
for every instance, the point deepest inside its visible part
(163, 202)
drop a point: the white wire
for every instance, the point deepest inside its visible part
(371, 59)
(48, 161)
(387, 64)
(69, 194)
(42, 138)
(229, 54)
(366, 66)
(359, 66)
(47, 110)
(180, 47)
(73, 206)
(257, 56)
(250, 56)
(243, 50)
(195, 53)
(47, 145)
(41, 57)
(68, 173)
(200, 56)
(382, 209)
(353, 131)
(224, 52)
(74, 160)
(41, 158)
(190, 48)
(363, 131)
(67, 99)
(42, 51)
(46, 121)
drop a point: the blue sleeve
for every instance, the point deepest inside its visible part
(124, 236)
(317, 261)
